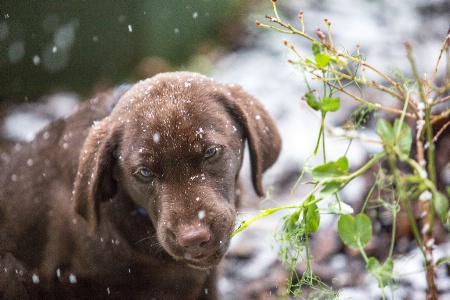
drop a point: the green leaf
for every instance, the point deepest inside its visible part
(312, 101)
(291, 220)
(261, 214)
(322, 59)
(398, 135)
(331, 188)
(443, 260)
(338, 61)
(316, 48)
(312, 218)
(383, 273)
(404, 140)
(440, 203)
(385, 131)
(330, 104)
(342, 164)
(355, 232)
(331, 169)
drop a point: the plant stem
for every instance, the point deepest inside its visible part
(426, 205)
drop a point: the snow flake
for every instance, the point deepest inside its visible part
(201, 214)
(156, 137)
(72, 279)
(200, 132)
(35, 278)
(36, 60)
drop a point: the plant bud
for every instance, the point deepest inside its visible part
(320, 34)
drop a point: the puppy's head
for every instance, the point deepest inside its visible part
(174, 145)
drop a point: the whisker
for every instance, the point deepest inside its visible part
(144, 239)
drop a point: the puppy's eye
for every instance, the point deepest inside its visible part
(144, 172)
(210, 152)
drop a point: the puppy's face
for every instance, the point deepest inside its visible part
(174, 145)
(179, 159)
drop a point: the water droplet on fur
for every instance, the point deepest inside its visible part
(58, 273)
(35, 278)
(200, 132)
(156, 137)
(201, 215)
(72, 279)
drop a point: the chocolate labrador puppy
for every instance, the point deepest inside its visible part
(134, 195)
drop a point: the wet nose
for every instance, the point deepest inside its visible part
(194, 239)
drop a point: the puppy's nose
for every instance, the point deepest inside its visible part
(194, 239)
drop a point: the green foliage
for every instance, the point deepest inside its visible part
(355, 232)
(312, 218)
(406, 179)
(440, 203)
(330, 104)
(327, 104)
(383, 273)
(397, 137)
(331, 169)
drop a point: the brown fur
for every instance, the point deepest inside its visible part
(131, 200)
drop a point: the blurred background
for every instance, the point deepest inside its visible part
(79, 46)
(54, 54)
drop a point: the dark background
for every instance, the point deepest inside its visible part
(81, 46)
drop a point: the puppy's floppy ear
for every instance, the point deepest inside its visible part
(95, 180)
(261, 132)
